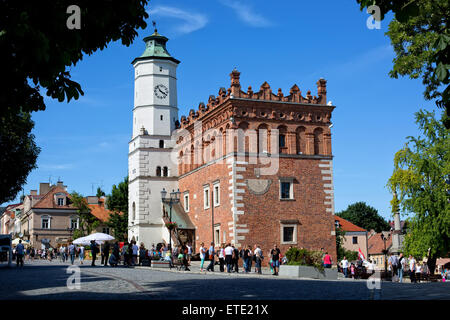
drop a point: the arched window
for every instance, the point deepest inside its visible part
(133, 217)
(300, 140)
(161, 143)
(262, 137)
(318, 141)
(165, 172)
(158, 171)
(282, 145)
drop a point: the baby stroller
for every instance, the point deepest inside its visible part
(113, 260)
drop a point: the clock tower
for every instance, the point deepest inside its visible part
(150, 167)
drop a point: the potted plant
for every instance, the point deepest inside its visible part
(306, 264)
(171, 225)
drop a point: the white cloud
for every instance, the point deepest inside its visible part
(247, 14)
(191, 21)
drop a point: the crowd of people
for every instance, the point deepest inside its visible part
(226, 256)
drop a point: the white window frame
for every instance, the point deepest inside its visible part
(78, 222)
(294, 236)
(206, 200)
(216, 196)
(49, 218)
(106, 230)
(186, 203)
(291, 188)
(216, 236)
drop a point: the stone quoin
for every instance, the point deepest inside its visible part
(252, 167)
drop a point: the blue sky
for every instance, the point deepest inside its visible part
(85, 142)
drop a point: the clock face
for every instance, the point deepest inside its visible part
(161, 91)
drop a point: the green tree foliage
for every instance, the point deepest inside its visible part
(420, 189)
(340, 250)
(18, 153)
(364, 216)
(421, 39)
(88, 222)
(100, 192)
(37, 53)
(117, 202)
(304, 257)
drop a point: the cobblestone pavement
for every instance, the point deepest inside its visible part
(47, 280)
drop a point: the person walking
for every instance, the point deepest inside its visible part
(344, 265)
(81, 254)
(125, 254)
(235, 259)
(94, 249)
(229, 257)
(246, 257)
(20, 249)
(105, 253)
(258, 259)
(412, 269)
(418, 272)
(142, 254)
(189, 253)
(202, 256)
(135, 253)
(401, 267)
(393, 264)
(327, 261)
(250, 259)
(222, 257)
(211, 253)
(72, 252)
(275, 255)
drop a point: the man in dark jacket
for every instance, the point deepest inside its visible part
(235, 259)
(105, 252)
(94, 249)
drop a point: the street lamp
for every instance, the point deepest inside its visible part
(174, 198)
(385, 238)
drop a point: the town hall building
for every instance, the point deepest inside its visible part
(251, 166)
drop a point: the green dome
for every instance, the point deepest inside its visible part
(155, 48)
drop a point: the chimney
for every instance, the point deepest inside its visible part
(33, 192)
(44, 188)
(60, 184)
(92, 200)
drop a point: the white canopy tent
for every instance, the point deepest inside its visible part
(97, 237)
(15, 242)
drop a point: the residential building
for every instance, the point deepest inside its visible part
(376, 247)
(49, 218)
(355, 238)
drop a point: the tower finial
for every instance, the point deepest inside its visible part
(154, 26)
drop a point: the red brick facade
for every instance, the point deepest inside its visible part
(252, 143)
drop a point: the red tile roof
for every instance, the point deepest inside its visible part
(347, 225)
(99, 210)
(48, 202)
(375, 244)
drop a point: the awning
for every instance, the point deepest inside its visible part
(179, 216)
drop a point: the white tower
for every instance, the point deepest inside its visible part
(150, 167)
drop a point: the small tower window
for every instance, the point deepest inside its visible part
(161, 143)
(161, 117)
(165, 172)
(160, 69)
(158, 171)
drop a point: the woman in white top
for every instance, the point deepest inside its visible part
(418, 272)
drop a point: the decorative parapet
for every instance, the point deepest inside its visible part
(265, 94)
